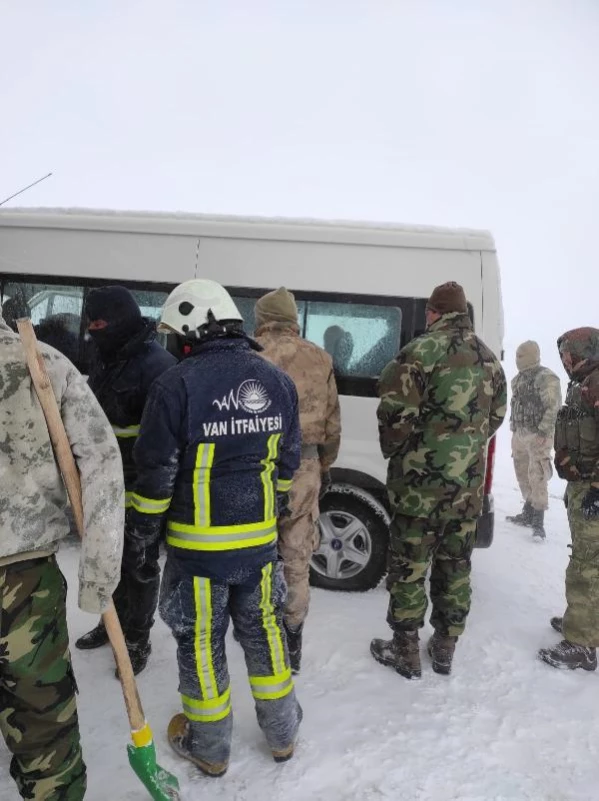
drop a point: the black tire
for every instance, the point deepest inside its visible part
(371, 514)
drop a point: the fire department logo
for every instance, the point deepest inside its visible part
(251, 396)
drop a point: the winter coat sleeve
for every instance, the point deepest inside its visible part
(159, 362)
(514, 388)
(551, 398)
(590, 396)
(499, 401)
(401, 389)
(156, 454)
(291, 442)
(98, 459)
(329, 451)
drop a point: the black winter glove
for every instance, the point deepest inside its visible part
(283, 509)
(325, 484)
(590, 504)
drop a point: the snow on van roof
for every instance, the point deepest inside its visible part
(54, 216)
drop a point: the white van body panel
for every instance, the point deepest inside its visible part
(340, 258)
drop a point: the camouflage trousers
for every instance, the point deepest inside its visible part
(444, 545)
(298, 538)
(38, 712)
(581, 619)
(532, 463)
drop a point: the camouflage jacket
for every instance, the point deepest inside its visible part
(577, 427)
(536, 400)
(441, 400)
(311, 369)
(32, 496)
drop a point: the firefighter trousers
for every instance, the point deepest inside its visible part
(198, 610)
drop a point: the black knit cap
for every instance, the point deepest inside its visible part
(115, 304)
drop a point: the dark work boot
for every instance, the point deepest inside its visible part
(538, 529)
(139, 653)
(525, 516)
(557, 624)
(441, 650)
(95, 638)
(294, 646)
(569, 656)
(402, 653)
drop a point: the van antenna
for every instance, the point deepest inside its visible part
(25, 188)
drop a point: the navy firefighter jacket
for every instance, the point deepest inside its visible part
(219, 438)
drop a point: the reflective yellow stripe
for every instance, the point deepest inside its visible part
(126, 433)
(203, 638)
(283, 485)
(201, 484)
(143, 737)
(207, 711)
(149, 506)
(128, 500)
(269, 688)
(221, 538)
(270, 624)
(266, 475)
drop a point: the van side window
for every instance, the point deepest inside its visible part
(41, 302)
(56, 309)
(361, 338)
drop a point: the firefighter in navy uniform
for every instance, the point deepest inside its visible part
(218, 446)
(128, 359)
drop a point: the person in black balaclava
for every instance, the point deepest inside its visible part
(126, 363)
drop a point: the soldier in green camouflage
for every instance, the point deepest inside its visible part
(440, 401)
(577, 461)
(38, 712)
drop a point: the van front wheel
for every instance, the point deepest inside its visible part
(354, 538)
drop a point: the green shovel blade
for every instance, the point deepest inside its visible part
(160, 784)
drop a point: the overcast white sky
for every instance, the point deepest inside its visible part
(481, 113)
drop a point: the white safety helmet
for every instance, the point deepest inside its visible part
(187, 307)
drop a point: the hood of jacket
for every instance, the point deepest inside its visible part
(583, 346)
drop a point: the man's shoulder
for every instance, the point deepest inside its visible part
(545, 374)
(425, 349)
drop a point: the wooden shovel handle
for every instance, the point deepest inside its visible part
(70, 475)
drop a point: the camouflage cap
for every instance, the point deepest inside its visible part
(448, 298)
(276, 307)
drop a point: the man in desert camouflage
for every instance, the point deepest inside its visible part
(577, 461)
(536, 399)
(441, 400)
(38, 713)
(311, 368)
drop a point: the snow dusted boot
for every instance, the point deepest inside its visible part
(139, 653)
(525, 516)
(538, 520)
(294, 646)
(95, 638)
(178, 736)
(441, 650)
(401, 653)
(557, 624)
(569, 656)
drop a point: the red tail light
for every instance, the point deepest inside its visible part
(490, 466)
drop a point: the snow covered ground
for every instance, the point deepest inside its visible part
(503, 727)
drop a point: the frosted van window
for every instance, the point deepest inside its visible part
(360, 338)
